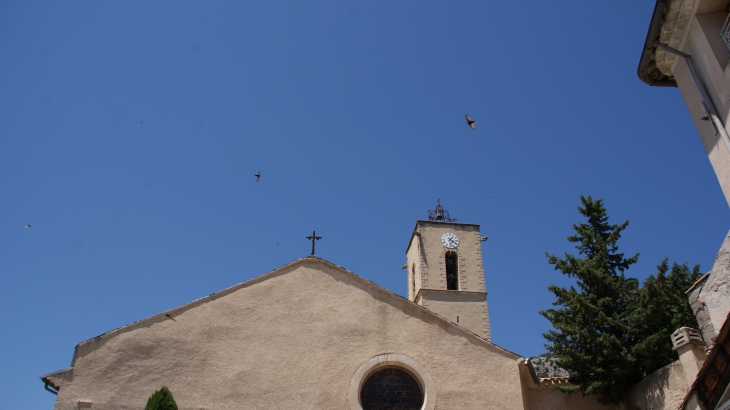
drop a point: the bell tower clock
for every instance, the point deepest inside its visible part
(445, 271)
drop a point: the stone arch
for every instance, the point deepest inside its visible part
(397, 361)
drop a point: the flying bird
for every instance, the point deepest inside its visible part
(470, 122)
(257, 175)
(28, 226)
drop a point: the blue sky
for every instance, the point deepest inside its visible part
(130, 132)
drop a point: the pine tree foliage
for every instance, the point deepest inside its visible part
(662, 309)
(591, 338)
(609, 333)
(161, 400)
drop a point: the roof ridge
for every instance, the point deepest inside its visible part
(262, 277)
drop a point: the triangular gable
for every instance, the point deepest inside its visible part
(398, 300)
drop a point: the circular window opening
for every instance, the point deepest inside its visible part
(391, 389)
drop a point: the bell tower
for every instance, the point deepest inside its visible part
(445, 271)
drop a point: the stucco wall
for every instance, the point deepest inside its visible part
(710, 55)
(467, 310)
(715, 293)
(290, 339)
(700, 311)
(427, 254)
(710, 59)
(662, 390)
(471, 270)
(544, 396)
(416, 262)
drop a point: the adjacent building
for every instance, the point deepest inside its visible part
(688, 46)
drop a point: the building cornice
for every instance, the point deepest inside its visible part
(649, 71)
(420, 221)
(454, 292)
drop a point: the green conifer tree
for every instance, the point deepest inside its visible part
(161, 400)
(609, 334)
(592, 338)
(662, 309)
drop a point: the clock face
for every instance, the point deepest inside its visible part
(450, 240)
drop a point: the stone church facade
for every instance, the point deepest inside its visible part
(312, 335)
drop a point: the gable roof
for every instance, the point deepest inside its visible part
(308, 260)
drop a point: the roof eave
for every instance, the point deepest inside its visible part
(645, 74)
(48, 378)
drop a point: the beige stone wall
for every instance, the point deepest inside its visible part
(700, 311)
(711, 57)
(291, 339)
(416, 262)
(662, 390)
(471, 269)
(427, 254)
(715, 294)
(544, 396)
(715, 148)
(710, 297)
(694, 26)
(466, 310)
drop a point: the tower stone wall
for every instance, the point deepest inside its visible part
(427, 280)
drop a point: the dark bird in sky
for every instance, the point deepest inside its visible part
(28, 226)
(470, 122)
(257, 175)
(171, 318)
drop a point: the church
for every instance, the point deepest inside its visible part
(313, 335)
